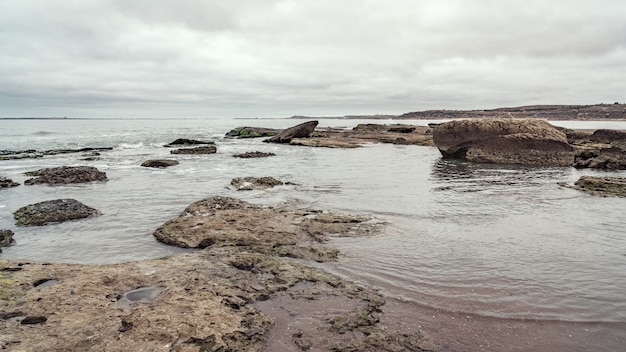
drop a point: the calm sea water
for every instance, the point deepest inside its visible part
(495, 242)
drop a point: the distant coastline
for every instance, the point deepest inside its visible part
(601, 112)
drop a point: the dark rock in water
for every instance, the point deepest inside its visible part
(6, 238)
(32, 320)
(602, 185)
(6, 183)
(248, 155)
(609, 158)
(52, 211)
(198, 150)
(186, 141)
(504, 141)
(252, 183)
(608, 136)
(31, 153)
(252, 132)
(302, 130)
(65, 175)
(161, 163)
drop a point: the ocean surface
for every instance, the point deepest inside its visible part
(496, 245)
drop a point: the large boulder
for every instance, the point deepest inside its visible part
(302, 130)
(52, 211)
(504, 141)
(65, 175)
(7, 182)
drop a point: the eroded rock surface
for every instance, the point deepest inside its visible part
(252, 132)
(504, 141)
(186, 141)
(252, 183)
(224, 221)
(52, 211)
(602, 185)
(7, 182)
(6, 238)
(65, 175)
(210, 149)
(302, 130)
(248, 155)
(159, 163)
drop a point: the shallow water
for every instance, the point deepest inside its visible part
(499, 243)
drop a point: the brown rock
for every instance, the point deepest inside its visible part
(6, 183)
(252, 183)
(186, 141)
(302, 130)
(504, 141)
(6, 238)
(252, 132)
(65, 175)
(602, 185)
(248, 155)
(159, 163)
(197, 150)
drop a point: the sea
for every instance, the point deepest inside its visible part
(486, 257)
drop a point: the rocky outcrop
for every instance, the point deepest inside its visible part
(504, 141)
(600, 149)
(602, 185)
(65, 175)
(159, 163)
(302, 130)
(197, 150)
(7, 182)
(31, 153)
(252, 132)
(222, 221)
(186, 141)
(248, 155)
(252, 183)
(6, 238)
(52, 211)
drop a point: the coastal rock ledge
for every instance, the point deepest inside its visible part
(504, 141)
(65, 175)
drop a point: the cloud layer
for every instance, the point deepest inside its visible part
(245, 58)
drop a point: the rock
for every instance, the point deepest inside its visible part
(52, 211)
(222, 221)
(6, 238)
(302, 130)
(609, 158)
(161, 163)
(65, 175)
(504, 141)
(186, 141)
(608, 136)
(602, 185)
(248, 155)
(252, 183)
(252, 132)
(197, 150)
(31, 320)
(6, 183)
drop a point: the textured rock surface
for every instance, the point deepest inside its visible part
(504, 141)
(302, 130)
(6, 238)
(186, 141)
(248, 155)
(7, 182)
(602, 185)
(52, 211)
(197, 150)
(252, 132)
(159, 163)
(65, 175)
(252, 183)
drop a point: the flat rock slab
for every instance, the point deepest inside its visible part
(159, 163)
(65, 175)
(248, 155)
(197, 150)
(224, 221)
(602, 185)
(52, 211)
(252, 132)
(252, 183)
(186, 141)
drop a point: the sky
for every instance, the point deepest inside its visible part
(278, 58)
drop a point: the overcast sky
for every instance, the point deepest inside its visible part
(277, 58)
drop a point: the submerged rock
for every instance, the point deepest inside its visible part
(186, 141)
(252, 183)
(159, 163)
(6, 238)
(6, 183)
(504, 141)
(248, 155)
(302, 130)
(602, 185)
(197, 150)
(66, 175)
(52, 211)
